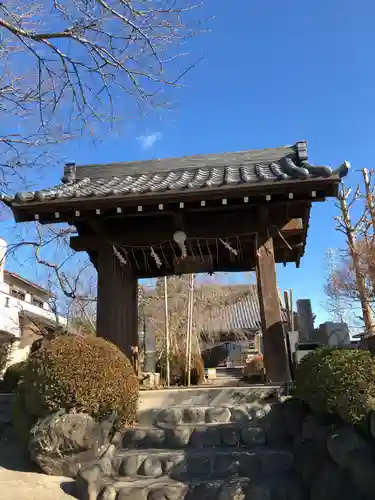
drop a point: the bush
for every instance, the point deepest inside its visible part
(178, 375)
(12, 376)
(338, 381)
(80, 374)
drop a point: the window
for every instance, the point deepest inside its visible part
(37, 302)
(18, 294)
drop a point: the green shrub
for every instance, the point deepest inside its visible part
(13, 375)
(81, 374)
(338, 381)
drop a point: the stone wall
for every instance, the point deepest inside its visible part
(334, 460)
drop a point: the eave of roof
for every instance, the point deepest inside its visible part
(28, 282)
(196, 174)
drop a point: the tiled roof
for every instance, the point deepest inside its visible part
(242, 315)
(181, 174)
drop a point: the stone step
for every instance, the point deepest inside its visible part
(202, 463)
(277, 487)
(201, 414)
(245, 434)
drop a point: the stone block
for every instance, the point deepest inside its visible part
(197, 465)
(155, 438)
(253, 436)
(205, 438)
(171, 416)
(235, 490)
(218, 415)
(130, 465)
(178, 437)
(166, 493)
(108, 493)
(275, 461)
(240, 415)
(133, 437)
(152, 466)
(194, 415)
(229, 436)
(132, 494)
(226, 464)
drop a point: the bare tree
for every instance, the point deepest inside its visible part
(354, 280)
(76, 67)
(82, 63)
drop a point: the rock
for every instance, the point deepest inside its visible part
(87, 485)
(152, 467)
(227, 465)
(132, 494)
(253, 436)
(133, 437)
(171, 416)
(205, 438)
(130, 465)
(229, 436)
(317, 428)
(218, 415)
(198, 466)
(260, 492)
(172, 462)
(342, 443)
(154, 437)
(240, 415)
(232, 491)
(295, 413)
(166, 493)
(274, 461)
(178, 437)
(194, 415)
(308, 458)
(328, 482)
(372, 423)
(62, 443)
(108, 493)
(361, 467)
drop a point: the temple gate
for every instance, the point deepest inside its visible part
(230, 212)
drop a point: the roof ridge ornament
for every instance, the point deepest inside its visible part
(69, 173)
(343, 169)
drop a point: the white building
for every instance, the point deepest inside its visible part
(24, 309)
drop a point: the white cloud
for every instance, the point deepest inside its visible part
(147, 141)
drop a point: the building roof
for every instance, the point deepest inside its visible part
(27, 282)
(192, 173)
(237, 319)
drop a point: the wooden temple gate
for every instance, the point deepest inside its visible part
(230, 212)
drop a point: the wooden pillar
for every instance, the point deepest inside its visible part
(117, 307)
(275, 357)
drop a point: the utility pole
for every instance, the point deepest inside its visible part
(189, 335)
(167, 343)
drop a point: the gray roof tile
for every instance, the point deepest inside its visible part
(179, 174)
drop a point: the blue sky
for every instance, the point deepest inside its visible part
(273, 73)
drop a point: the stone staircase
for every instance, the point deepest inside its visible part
(225, 451)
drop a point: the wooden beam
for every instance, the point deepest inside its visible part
(117, 315)
(222, 228)
(275, 358)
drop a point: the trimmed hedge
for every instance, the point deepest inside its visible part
(80, 374)
(339, 382)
